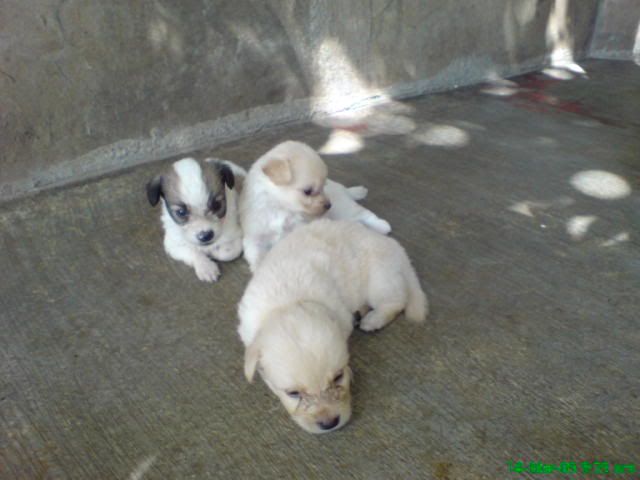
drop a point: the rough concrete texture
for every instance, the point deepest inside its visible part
(88, 87)
(519, 206)
(617, 31)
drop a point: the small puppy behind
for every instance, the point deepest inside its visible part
(200, 213)
(288, 187)
(296, 313)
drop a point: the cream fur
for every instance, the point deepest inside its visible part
(272, 202)
(297, 310)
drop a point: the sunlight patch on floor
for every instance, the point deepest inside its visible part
(437, 135)
(578, 226)
(601, 184)
(621, 237)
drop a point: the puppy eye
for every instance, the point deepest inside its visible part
(293, 393)
(214, 204)
(308, 191)
(338, 377)
(181, 212)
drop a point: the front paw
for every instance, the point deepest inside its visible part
(206, 269)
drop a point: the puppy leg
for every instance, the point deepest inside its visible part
(206, 269)
(357, 193)
(387, 297)
(380, 316)
(371, 220)
(344, 207)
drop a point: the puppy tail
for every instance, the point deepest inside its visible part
(417, 307)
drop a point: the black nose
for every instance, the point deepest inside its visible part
(327, 205)
(329, 424)
(205, 236)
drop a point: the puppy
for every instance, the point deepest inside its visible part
(296, 313)
(200, 213)
(287, 187)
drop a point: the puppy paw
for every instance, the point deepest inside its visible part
(206, 270)
(227, 251)
(373, 321)
(377, 224)
(358, 193)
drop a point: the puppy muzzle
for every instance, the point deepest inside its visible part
(331, 395)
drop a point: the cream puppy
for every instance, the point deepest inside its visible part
(297, 311)
(288, 187)
(200, 213)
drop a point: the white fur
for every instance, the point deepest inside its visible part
(296, 312)
(269, 211)
(193, 190)
(344, 206)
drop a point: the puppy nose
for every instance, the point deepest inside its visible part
(329, 424)
(327, 205)
(205, 236)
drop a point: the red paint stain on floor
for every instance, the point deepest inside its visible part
(533, 95)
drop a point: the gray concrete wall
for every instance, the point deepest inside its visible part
(617, 32)
(88, 87)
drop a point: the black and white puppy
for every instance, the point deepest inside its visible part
(200, 213)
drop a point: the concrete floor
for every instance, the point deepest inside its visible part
(118, 363)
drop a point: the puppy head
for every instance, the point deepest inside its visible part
(194, 197)
(297, 175)
(302, 356)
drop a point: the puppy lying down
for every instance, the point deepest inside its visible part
(297, 311)
(200, 213)
(288, 187)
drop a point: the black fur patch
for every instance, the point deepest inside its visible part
(226, 174)
(218, 204)
(154, 190)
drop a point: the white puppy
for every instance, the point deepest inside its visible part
(287, 187)
(297, 312)
(200, 213)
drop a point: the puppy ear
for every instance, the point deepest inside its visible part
(154, 190)
(226, 174)
(251, 358)
(279, 171)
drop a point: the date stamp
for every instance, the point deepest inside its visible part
(572, 468)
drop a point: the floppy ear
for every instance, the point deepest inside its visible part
(279, 171)
(226, 174)
(251, 358)
(154, 190)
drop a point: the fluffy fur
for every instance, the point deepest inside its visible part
(288, 187)
(296, 313)
(206, 192)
